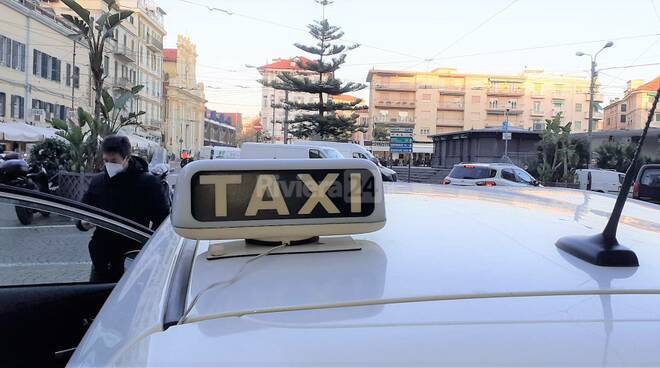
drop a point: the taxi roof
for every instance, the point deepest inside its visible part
(438, 240)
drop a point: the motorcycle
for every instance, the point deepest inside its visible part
(160, 168)
(16, 172)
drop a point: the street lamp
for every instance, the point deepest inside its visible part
(272, 104)
(75, 37)
(592, 83)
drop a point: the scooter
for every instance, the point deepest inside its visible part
(16, 172)
(160, 171)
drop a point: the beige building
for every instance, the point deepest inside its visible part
(184, 99)
(36, 66)
(133, 57)
(631, 111)
(444, 100)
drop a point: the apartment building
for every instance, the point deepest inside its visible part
(220, 128)
(445, 100)
(272, 112)
(39, 79)
(631, 111)
(133, 57)
(184, 99)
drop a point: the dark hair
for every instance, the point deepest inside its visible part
(116, 144)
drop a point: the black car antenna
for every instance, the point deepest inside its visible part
(604, 249)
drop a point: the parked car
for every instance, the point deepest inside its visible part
(286, 151)
(352, 150)
(489, 175)
(647, 185)
(599, 180)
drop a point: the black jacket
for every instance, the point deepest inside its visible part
(134, 194)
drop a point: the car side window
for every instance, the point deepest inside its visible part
(50, 249)
(508, 174)
(314, 153)
(357, 155)
(651, 177)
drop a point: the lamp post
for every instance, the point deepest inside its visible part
(592, 83)
(272, 104)
(75, 37)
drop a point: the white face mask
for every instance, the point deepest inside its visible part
(113, 169)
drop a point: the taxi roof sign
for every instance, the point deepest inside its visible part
(279, 200)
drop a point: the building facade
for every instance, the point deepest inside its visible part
(444, 100)
(184, 109)
(38, 77)
(631, 111)
(272, 111)
(133, 57)
(220, 129)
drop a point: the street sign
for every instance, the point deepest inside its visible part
(402, 130)
(506, 136)
(505, 126)
(400, 140)
(409, 135)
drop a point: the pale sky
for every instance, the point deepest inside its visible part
(470, 35)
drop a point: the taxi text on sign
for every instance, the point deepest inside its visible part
(282, 194)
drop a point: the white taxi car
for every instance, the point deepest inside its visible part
(315, 262)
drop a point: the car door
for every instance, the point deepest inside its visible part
(47, 298)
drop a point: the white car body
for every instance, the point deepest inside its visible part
(505, 175)
(488, 288)
(219, 152)
(251, 150)
(352, 150)
(604, 181)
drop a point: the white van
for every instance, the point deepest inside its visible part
(219, 152)
(599, 180)
(352, 150)
(286, 151)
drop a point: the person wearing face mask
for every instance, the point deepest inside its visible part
(126, 188)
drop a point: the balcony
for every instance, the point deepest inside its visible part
(535, 94)
(449, 123)
(124, 54)
(451, 106)
(154, 44)
(502, 111)
(398, 104)
(123, 83)
(395, 87)
(537, 113)
(558, 95)
(393, 120)
(451, 90)
(513, 91)
(153, 124)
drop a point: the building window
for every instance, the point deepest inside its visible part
(425, 131)
(538, 125)
(68, 74)
(106, 65)
(76, 77)
(622, 119)
(537, 106)
(12, 54)
(578, 107)
(2, 104)
(17, 107)
(492, 104)
(512, 104)
(46, 66)
(579, 89)
(476, 99)
(537, 88)
(657, 116)
(624, 107)
(558, 106)
(578, 125)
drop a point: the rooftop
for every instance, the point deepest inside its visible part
(285, 64)
(169, 54)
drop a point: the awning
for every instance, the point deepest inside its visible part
(139, 142)
(21, 132)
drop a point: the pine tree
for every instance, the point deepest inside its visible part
(320, 119)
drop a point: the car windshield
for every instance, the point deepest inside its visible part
(472, 172)
(524, 177)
